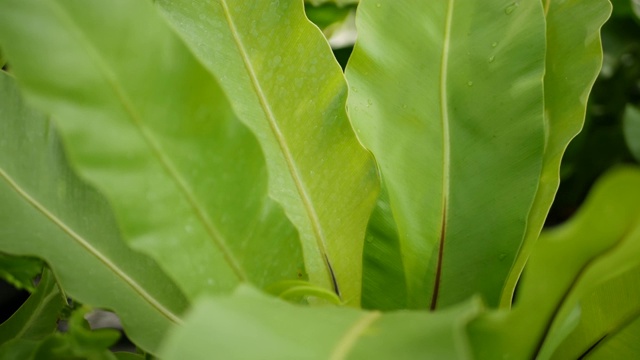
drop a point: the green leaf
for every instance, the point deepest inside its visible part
(38, 316)
(339, 3)
(383, 284)
(574, 58)
(79, 342)
(48, 212)
(606, 309)
(146, 124)
(622, 345)
(274, 329)
(19, 271)
(598, 244)
(287, 87)
(631, 123)
(450, 103)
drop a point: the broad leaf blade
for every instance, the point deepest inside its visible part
(49, 213)
(38, 316)
(450, 103)
(286, 86)
(278, 330)
(599, 243)
(146, 124)
(574, 58)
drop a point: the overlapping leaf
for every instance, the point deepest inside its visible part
(278, 330)
(37, 317)
(286, 86)
(598, 246)
(450, 103)
(47, 212)
(147, 124)
(573, 60)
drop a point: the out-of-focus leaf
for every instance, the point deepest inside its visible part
(624, 344)
(22, 349)
(250, 325)
(38, 316)
(79, 342)
(340, 3)
(150, 127)
(631, 123)
(597, 245)
(606, 309)
(574, 58)
(450, 103)
(19, 271)
(635, 6)
(47, 212)
(287, 87)
(326, 15)
(128, 356)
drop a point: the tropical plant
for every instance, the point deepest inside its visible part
(205, 170)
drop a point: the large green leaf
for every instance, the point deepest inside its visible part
(148, 125)
(38, 316)
(47, 212)
(597, 246)
(574, 58)
(249, 325)
(448, 97)
(286, 86)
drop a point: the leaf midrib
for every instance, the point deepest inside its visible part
(89, 248)
(446, 144)
(350, 338)
(284, 147)
(36, 313)
(166, 164)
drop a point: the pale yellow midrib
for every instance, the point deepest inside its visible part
(349, 339)
(87, 246)
(280, 139)
(166, 164)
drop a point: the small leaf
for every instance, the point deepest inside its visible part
(38, 316)
(20, 271)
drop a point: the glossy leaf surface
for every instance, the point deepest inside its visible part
(278, 330)
(567, 262)
(450, 103)
(46, 211)
(287, 87)
(573, 61)
(146, 124)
